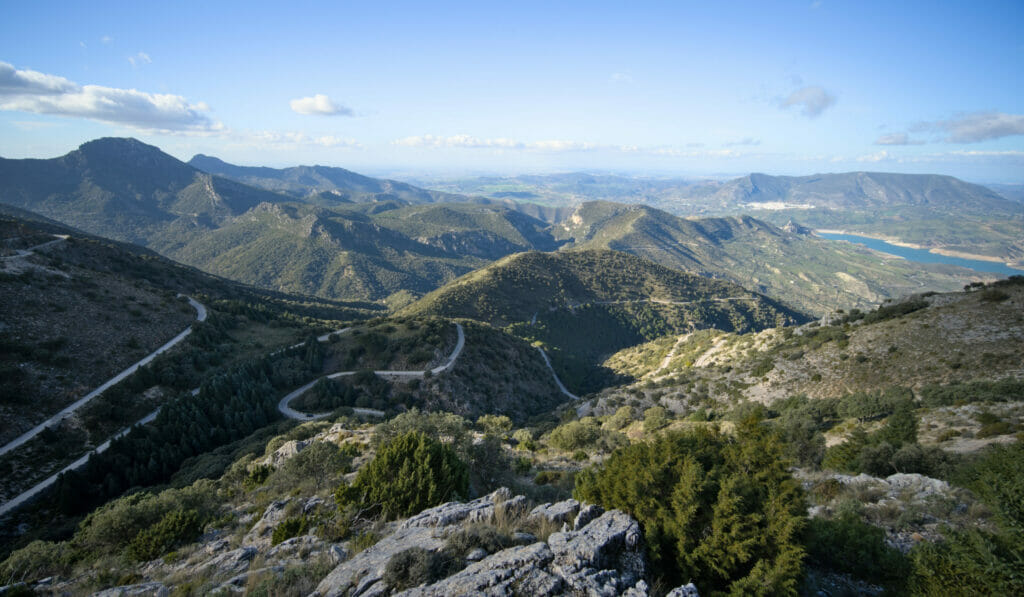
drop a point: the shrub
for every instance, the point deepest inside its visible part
(288, 528)
(655, 418)
(414, 567)
(721, 512)
(410, 473)
(993, 429)
(175, 528)
(574, 435)
(851, 546)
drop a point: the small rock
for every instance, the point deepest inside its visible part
(476, 554)
(524, 538)
(688, 590)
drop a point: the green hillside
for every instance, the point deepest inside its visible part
(809, 273)
(584, 304)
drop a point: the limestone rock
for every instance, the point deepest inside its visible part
(587, 513)
(286, 451)
(516, 567)
(357, 576)
(478, 510)
(229, 563)
(688, 590)
(153, 589)
(260, 534)
(559, 512)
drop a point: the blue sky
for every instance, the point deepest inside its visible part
(669, 88)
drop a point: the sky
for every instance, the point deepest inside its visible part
(692, 89)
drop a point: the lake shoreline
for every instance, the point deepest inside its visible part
(936, 251)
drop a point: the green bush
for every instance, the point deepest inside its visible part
(575, 435)
(721, 512)
(993, 429)
(413, 567)
(655, 419)
(288, 528)
(850, 546)
(410, 473)
(174, 529)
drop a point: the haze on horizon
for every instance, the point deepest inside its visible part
(667, 88)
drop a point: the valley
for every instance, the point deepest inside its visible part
(336, 354)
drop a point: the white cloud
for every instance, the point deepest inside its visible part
(31, 91)
(292, 140)
(140, 59)
(318, 105)
(978, 126)
(875, 157)
(621, 78)
(896, 139)
(106, 39)
(813, 100)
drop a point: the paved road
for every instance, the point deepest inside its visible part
(55, 419)
(39, 487)
(291, 413)
(561, 386)
(28, 251)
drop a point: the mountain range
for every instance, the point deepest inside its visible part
(937, 212)
(335, 234)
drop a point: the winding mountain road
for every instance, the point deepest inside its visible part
(55, 419)
(27, 495)
(291, 413)
(561, 386)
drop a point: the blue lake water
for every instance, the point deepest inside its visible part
(923, 255)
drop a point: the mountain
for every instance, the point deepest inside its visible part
(809, 273)
(130, 191)
(125, 190)
(330, 183)
(586, 304)
(937, 212)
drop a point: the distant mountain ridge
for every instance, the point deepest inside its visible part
(302, 181)
(934, 211)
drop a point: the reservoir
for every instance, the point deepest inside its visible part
(923, 255)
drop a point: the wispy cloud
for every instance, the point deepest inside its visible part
(621, 78)
(319, 105)
(746, 141)
(812, 100)
(106, 39)
(32, 91)
(470, 142)
(290, 140)
(897, 139)
(140, 59)
(879, 156)
(975, 127)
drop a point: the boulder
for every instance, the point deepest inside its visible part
(559, 512)
(478, 510)
(359, 575)
(260, 534)
(228, 563)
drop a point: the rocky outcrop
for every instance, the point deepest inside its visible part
(602, 553)
(148, 589)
